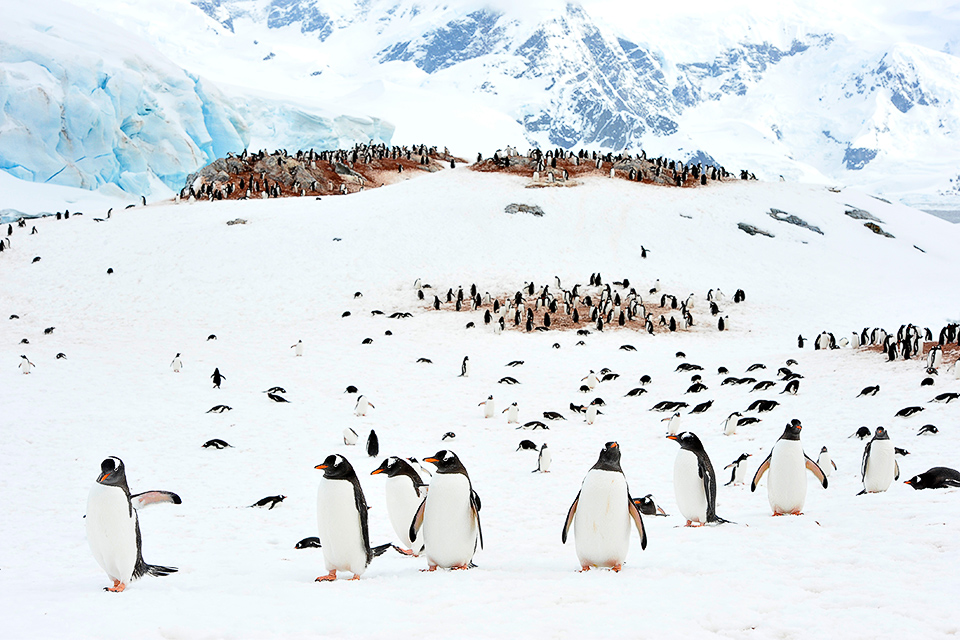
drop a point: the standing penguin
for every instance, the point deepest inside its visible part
(601, 513)
(673, 423)
(298, 348)
(543, 462)
(217, 378)
(730, 425)
(787, 485)
(694, 481)
(177, 363)
(739, 473)
(488, 407)
(591, 413)
(879, 467)
(26, 365)
(826, 463)
(513, 413)
(350, 437)
(449, 516)
(591, 379)
(373, 444)
(465, 367)
(113, 529)
(363, 405)
(405, 491)
(342, 520)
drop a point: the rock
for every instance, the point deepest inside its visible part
(524, 208)
(860, 214)
(237, 221)
(752, 230)
(877, 230)
(783, 216)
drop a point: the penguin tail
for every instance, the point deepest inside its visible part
(718, 520)
(158, 570)
(379, 550)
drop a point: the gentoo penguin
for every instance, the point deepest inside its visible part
(826, 463)
(217, 377)
(177, 363)
(350, 437)
(591, 413)
(113, 529)
(673, 423)
(342, 520)
(269, 502)
(363, 405)
(373, 444)
(646, 506)
(26, 365)
(601, 513)
(513, 413)
(216, 443)
(694, 481)
(591, 379)
(879, 467)
(730, 425)
(543, 462)
(405, 492)
(298, 348)
(465, 367)
(488, 407)
(935, 478)
(739, 473)
(449, 518)
(787, 485)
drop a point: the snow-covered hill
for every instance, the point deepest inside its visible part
(180, 273)
(808, 92)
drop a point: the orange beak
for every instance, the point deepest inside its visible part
(614, 445)
(320, 466)
(672, 437)
(431, 460)
(104, 477)
(375, 472)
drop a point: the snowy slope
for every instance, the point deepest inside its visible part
(844, 568)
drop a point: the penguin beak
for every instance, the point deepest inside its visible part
(672, 437)
(431, 460)
(321, 466)
(104, 476)
(376, 471)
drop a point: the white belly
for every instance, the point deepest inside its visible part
(488, 409)
(688, 487)
(513, 415)
(786, 478)
(591, 414)
(880, 467)
(740, 473)
(592, 381)
(601, 526)
(545, 459)
(730, 427)
(449, 528)
(825, 464)
(338, 524)
(402, 505)
(112, 531)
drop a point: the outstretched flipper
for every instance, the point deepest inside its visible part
(145, 499)
(638, 521)
(815, 470)
(475, 503)
(417, 521)
(572, 512)
(759, 474)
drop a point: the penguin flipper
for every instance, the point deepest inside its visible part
(863, 463)
(896, 470)
(378, 550)
(759, 474)
(361, 503)
(141, 500)
(815, 470)
(572, 512)
(475, 504)
(637, 520)
(834, 464)
(417, 521)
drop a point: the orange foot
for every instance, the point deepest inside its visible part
(355, 577)
(406, 552)
(691, 523)
(330, 577)
(778, 513)
(460, 567)
(617, 567)
(432, 567)
(796, 513)
(584, 568)
(117, 587)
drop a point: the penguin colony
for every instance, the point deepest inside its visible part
(437, 516)
(279, 174)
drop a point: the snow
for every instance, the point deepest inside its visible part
(867, 566)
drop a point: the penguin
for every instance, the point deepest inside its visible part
(269, 502)
(730, 425)
(373, 444)
(465, 367)
(363, 405)
(826, 463)
(544, 460)
(513, 414)
(488, 407)
(646, 506)
(935, 478)
(591, 415)
(219, 408)
(298, 348)
(342, 520)
(601, 513)
(694, 481)
(860, 433)
(527, 445)
(113, 528)
(591, 379)
(787, 486)
(26, 365)
(350, 437)
(311, 542)
(217, 378)
(405, 491)
(216, 443)
(739, 473)
(879, 467)
(177, 363)
(673, 423)
(449, 517)
(928, 428)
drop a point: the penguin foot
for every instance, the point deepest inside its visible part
(117, 587)
(691, 523)
(406, 552)
(584, 568)
(432, 567)
(617, 567)
(460, 567)
(355, 577)
(796, 513)
(330, 577)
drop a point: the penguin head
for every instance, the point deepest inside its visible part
(921, 481)
(792, 431)
(881, 434)
(392, 466)
(336, 466)
(112, 472)
(446, 462)
(823, 450)
(687, 440)
(609, 459)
